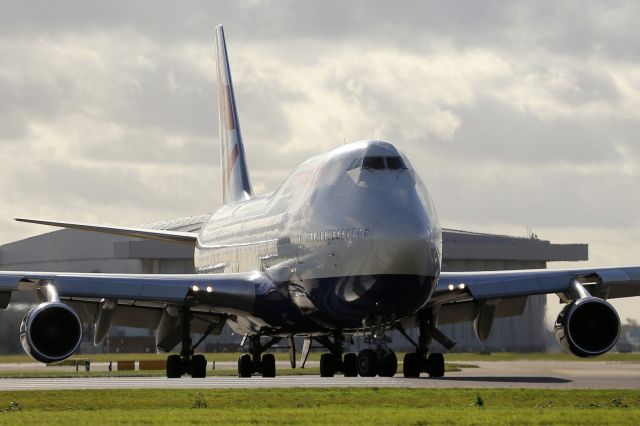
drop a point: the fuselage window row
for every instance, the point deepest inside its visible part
(338, 234)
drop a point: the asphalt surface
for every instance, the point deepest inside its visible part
(490, 374)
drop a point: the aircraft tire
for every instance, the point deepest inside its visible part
(268, 365)
(327, 365)
(411, 365)
(388, 365)
(245, 367)
(367, 363)
(174, 367)
(198, 367)
(350, 365)
(435, 365)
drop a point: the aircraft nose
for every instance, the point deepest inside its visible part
(398, 224)
(399, 240)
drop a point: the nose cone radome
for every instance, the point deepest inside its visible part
(400, 243)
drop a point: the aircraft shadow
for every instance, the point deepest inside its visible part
(494, 379)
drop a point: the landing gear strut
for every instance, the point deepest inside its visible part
(335, 361)
(379, 360)
(256, 361)
(187, 362)
(421, 361)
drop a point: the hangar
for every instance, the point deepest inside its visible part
(81, 251)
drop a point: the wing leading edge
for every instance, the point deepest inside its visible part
(148, 234)
(215, 292)
(607, 283)
(482, 296)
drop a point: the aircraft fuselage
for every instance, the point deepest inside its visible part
(349, 235)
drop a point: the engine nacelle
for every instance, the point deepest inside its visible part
(51, 332)
(587, 327)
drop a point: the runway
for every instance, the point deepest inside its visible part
(508, 374)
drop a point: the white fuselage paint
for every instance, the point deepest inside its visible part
(328, 222)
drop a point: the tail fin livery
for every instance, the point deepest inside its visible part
(235, 174)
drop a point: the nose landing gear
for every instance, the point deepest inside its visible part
(380, 360)
(421, 361)
(335, 361)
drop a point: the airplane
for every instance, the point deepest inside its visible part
(349, 245)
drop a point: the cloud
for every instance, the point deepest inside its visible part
(515, 114)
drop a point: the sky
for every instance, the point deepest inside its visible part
(517, 115)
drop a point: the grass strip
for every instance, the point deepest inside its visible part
(322, 406)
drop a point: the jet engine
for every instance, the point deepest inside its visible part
(51, 332)
(588, 327)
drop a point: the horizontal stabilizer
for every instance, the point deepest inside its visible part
(149, 234)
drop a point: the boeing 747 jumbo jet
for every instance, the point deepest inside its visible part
(349, 245)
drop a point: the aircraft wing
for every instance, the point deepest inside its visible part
(140, 300)
(149, 234)
(462, 296)
(220, 292)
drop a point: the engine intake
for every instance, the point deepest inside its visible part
(51, 332)
(588, 327)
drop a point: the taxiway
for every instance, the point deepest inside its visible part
(489, 374)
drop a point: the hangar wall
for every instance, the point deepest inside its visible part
(81, 251)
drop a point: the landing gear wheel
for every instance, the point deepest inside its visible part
(367, 363)
(350, 365)
(268, 365)
(411, 366)
(245, 367)
(174, 367)
(388, 365)
(327, 365)
(198, 367)
(435, 365)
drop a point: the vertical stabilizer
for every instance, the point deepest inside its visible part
(235, 175)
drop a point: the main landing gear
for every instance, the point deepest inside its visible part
(187, 362)
(380, 361)
(334, 361)
(256, 361)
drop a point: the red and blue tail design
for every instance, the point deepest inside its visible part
(236, 185)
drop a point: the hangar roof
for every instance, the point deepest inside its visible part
(69, 245)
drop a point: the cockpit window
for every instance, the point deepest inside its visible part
(378, 163)
(355, 164)
(396, 163)
(374, 163)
